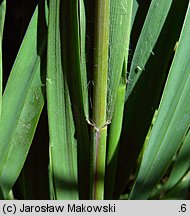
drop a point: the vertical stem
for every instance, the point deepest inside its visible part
(99, 132)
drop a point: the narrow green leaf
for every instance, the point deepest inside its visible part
(154, 22)
(72, 38)
(121, 12)
(63, 147)
(35, 166)
(181, 190)
(134, 11)
(22, 103)
(82, 23)
(51, 178)
(139, 13)
(33, 182)
(120, 28)
(145, 96)
(113, 139)
(181, 165)
(172, 122)
(2, 18)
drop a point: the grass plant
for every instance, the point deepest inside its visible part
(96, 104)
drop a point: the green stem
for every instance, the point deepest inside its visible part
(113, 141)
(99, 131)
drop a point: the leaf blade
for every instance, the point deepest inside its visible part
(61, 125)
(24, 91)
(144, 99)
(172, 122)
(181, 165)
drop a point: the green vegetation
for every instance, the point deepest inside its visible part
(96, 104)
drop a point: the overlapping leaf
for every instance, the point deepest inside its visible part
(155, 20)
(67, 88)
(144, 89)
(172, 122)
(181, 165)
(180, 191)
(61, 126)
(22, 103)
(120, 26)
(119, 45)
